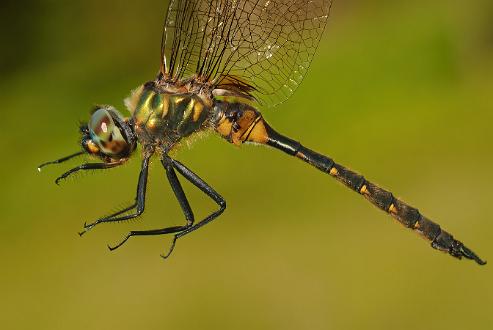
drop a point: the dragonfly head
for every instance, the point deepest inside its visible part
(108, 135)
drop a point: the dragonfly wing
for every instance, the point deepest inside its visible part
(265, 44)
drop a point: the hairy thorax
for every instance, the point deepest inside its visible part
(163, 116)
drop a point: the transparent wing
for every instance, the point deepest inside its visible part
(265, 44)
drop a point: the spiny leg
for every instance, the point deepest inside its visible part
(206, 189)
(61, 160)
(88, 227)
(182, 200)
(88, 167)
(178, 191)
(180, 231)
(139, 204)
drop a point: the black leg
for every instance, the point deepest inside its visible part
(90, 226)
(178, 190)
(61, 160)
(206, 189)
(139, 204)
(87, 167)
(182, 200)
(181, 231)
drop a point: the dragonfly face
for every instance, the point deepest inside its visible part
(108, 135)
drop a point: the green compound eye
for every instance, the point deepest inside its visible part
(101, 125)
(105, 133)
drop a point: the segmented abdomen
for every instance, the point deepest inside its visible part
(385, 200)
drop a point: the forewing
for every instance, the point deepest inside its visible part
(267, 44)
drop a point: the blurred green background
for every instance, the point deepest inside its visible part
(399, 91)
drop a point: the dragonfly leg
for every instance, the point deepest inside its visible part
(180, 231)
(182, 200)
(139, 203)
(206, 189)
(87, 167)
(178, 191)
(61, 160)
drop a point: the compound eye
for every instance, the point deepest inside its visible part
(105, 133)
(101, 126)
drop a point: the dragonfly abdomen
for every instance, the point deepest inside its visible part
(250, 127)
(239, 122)
(405, 214)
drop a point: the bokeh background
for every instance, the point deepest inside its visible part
(400, 91)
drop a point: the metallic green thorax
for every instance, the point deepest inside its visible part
(162, 118)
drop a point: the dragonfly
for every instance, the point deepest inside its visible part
(222, 61)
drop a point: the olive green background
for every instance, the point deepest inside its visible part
(400, 91)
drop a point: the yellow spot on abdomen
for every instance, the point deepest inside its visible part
(301, 156)
(334, 171)
(363, 190)
(392, 209)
